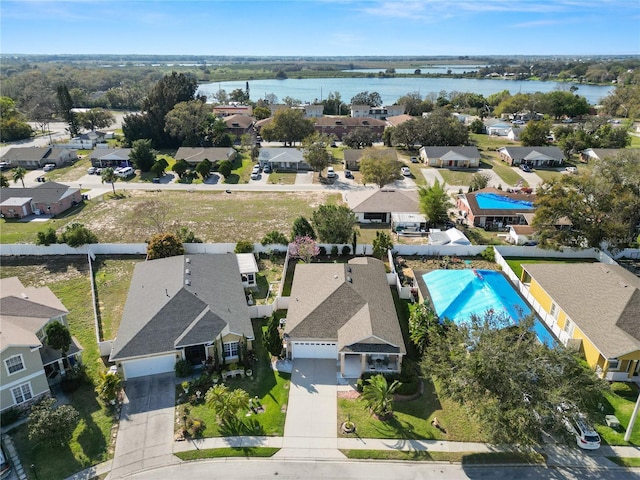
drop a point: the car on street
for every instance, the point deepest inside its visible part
(518, 122)
(331, 172)
(348, 174)
(91, 170)
(4, 165)
(405, 171)
(524, 167)
(414, 160)
(49, 166)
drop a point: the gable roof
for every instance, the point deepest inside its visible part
(179, 301)
(24, 311)
(48, 192)
(452, 153)
(350, 303)
(472, 201)
(388, 200)
(110, 154)
(533, 153)
(396, 120)
(198, 154)
(355, 154)
(238, 121)
(605, 305)
(349, 122)
(26, 154)
(290, 155)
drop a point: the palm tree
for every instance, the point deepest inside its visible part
(18, 174)
(4, 183)
(378, 395)
(422, 323)
(226, 403)
(109, 176)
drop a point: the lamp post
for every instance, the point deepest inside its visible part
(35, 473)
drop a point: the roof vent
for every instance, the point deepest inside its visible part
(349, 269)
(187, 282)
(188, 260)
(349, 279)
(187, 271)
(24, 295)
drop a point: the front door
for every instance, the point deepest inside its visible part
(195, 354)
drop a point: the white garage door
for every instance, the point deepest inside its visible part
(315, 350)
(148, 366)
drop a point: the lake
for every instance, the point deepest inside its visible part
(390, 89)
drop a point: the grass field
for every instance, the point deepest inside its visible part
(621, 400)
(516, 262)
(469, 458)
(227, 452)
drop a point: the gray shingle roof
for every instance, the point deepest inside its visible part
(162, 311)
(439, 152)
(48, 192)
(25, 154)
(349, 303)
(197, 154)
(602, 300)
(521, 153)
(390, 201)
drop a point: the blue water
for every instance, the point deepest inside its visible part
(490, 201)
(458, 294)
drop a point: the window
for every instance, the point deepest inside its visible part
(231, 349)
(613, 364)
(568, 326)
(555, 311)
(14, 364)
(21, 393)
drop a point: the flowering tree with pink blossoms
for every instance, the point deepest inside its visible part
(304, 248)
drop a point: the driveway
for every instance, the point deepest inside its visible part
(145, 435)
(310, 430)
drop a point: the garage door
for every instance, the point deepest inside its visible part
(315, 350)
(148, 366)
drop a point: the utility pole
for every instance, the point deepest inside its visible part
(632, 420)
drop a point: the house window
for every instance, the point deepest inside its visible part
(21, 393)
(231, 349)
(568, 326)
(14, 364)
(613, 364)
(250, 278)
(555, 311)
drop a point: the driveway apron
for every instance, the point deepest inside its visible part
(310, 430)
(145, 435)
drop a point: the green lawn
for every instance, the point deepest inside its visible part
(621, 400)
(453, 457)
(457, 177)
(282, 178)
(227, 452)
(516, 262)
(487, 142)
(480, 236)
(507, 173)
(630, 462)
(547, 175)
(271, 387)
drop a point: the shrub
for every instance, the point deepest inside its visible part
(77, 234)
(195, 427)
(334, 250)
(10, 415)
(183, 368)
(489, 254)
(323, 251)
(244, 246)
(346, 250)
(47, 237)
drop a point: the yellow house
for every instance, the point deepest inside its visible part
(595, 308)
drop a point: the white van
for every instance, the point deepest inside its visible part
(126, 172)
(331, 172)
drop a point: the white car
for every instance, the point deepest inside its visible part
(586, 437)
(255, 175)
(91, 170)
(331, 172)
(405, 171)
(256, 169)
(49, 166)
(571, 169)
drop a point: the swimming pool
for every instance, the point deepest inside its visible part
(493, 201)
(458, 294)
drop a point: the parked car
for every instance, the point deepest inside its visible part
(255, 175)
(405, 171)
(256, 169)
(4, 165)
(518, 122)
(524, 167)
(571, 169)
(126, 172)
(586, 437)
(331, 172)
(49, 166)
(414, 160)
(91, 170)
(98, 171)
(266, 169)
(5, 466)
(348, 174)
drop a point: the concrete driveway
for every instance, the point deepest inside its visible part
(145, 435)
(310, 430)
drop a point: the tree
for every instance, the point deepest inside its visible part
(412, 102)
(381, 244)
(272, 341)
(304, 248)
(47, 237)
(142, 155)
(164, 245)
(188, 121)
(359, 138)
(151, 214)
(260, 113)
(12, 124)
(239, 95)
(203, 168)
(315, 151)
(180, 167)
(334, 223)
(66, 108)
(58, 337)
(435, 202)
(274, 237)
(108, 387)
(288, 126)
(376, 166)
(4, 182)
(159, 167)
(477, 126)
(507, 379)
(95, 118)
(479, 180)
(52, 426)
(19, 174)
(377, 394)
(109, 175)
(185, 235)
(225, 168)
(422, 322)
(227, 404)
(76, 235)
(535, 134)
(301, 228)
(372, 99)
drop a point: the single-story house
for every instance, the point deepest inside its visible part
(29, 364)
(49, 198)
(352, 156)
(520, 234)
(31, 158)
(497, 127)
(238, 124)
(344, 312)
(341, 126)
(514, 134)
(110, 157)
(379, 206)
(451, 157)
(283, 159)
(234, 109)
(532, 156)
(492, 208)
(194, 155)
(452, 236)
(396, 120)
(87, 141)
(189, 307)
(591, 154)
(380, 113)
(248, 269)
(408, 223)
(596, 308)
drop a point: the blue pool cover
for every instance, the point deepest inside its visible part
(493, 201)
(458, 294)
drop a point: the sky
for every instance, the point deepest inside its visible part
(321, 27)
